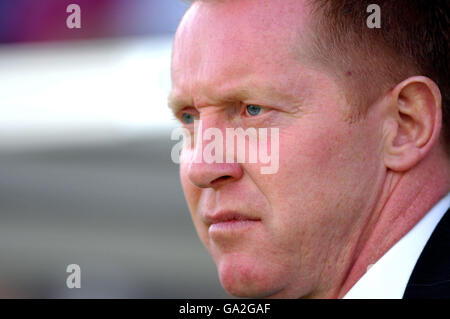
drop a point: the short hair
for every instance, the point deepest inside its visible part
(413, 39)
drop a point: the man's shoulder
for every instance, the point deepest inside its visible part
(431, 275)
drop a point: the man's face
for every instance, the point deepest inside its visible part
(303, 222)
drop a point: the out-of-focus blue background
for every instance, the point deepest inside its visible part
(85, 170)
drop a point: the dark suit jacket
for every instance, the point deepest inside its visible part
(431, 275)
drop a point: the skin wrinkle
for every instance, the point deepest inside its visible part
(365, 233)
(321, 273)
(361, 230)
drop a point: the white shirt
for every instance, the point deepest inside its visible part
(388, 277)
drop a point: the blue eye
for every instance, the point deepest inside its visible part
(253, 109)
(188, 118)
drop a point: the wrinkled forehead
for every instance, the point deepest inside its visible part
(238, 32)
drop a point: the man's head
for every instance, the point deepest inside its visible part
(303, 225)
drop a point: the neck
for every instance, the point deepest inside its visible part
(405, 199)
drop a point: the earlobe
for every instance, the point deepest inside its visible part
(413, 122)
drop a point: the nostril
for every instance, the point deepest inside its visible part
(220, 180)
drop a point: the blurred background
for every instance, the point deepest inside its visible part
(85, 170)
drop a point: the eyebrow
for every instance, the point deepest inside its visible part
(252, 89)
(177, 102)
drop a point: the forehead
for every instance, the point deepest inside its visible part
(231, 41)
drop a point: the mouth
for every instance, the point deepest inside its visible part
(229, 222)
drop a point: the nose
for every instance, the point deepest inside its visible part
(213, 175)
(206, 174)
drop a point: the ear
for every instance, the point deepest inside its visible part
(413, 122)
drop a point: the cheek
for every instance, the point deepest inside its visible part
(322, 152)
(323, 176)
(307, 159)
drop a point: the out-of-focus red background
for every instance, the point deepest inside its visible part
(44, 20)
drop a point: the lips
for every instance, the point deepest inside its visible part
(223, 224)
(228, 217)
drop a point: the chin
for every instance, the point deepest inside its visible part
(243, 276)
